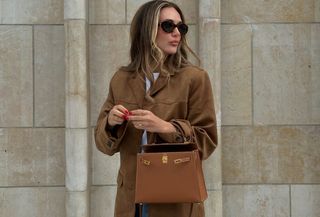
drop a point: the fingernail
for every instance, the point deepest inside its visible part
(125, 117)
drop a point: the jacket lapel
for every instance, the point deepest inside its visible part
(160, 83)
(137, 86)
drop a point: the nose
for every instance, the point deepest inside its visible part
(175, 32)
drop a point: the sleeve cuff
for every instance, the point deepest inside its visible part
(182, 134)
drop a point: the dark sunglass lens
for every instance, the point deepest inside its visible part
(167, 26)
(183, 28)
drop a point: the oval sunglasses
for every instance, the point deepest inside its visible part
(168, 26)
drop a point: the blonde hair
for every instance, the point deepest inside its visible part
(146, 56)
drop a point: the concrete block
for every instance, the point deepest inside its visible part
(213, 204)
(189, 9)
(76, 9)
(104, 168)
(286, 74)
(192, 39)
(16, 76)
(77, 159)
(31, 12)
(77, 74)
(209, 53)
(32, 202)
(32, 157)
(271, 154)
(109, 49)
(102, 200)
(248, 11)
(317, 10)
(236, 75)
(49, 76)
(305, 200)
(209, 8)
(77, 204)
(256, 200)
(107, 12)
(212, 168)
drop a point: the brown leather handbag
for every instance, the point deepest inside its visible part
(169, 173)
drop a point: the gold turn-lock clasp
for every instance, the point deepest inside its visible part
(164, 159)
(181, 160)
(146, 162)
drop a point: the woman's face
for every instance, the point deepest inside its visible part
(168, 42)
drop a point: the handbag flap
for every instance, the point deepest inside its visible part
(168, 147)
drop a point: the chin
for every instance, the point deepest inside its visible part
(170, 51)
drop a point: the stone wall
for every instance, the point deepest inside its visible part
(270, 108)
(32, 134)
(267, 100)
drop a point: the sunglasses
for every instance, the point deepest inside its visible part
(168, 26)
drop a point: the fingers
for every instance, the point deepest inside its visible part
(141, 119)
(140, 115)
(117, 115)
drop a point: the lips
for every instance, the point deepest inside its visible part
(174, 43)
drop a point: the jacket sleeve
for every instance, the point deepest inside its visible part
(108, 138)
(200, 124)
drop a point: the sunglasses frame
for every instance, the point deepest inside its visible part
(162, 23)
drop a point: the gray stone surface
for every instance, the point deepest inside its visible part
(212, 167)
(213, 204)
(77, 74)
(102, 201)
(317, 10)
(256, 200)
(305, 200)
(109, 49)
(209, 53)
(107, 12)
(31, 157)
(31, 12)
(209, 8)
(77, 204)
(76, 9)
(248, 11)
(77, 159)
(49, 76)
(286, 65)
(16, 76)
(32, 202)
(271, 154)
(236, 79)
(104, 168)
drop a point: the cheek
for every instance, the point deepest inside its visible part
(160, 38)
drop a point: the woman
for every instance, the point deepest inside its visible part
(159, 97)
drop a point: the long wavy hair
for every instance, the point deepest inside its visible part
(146, 56)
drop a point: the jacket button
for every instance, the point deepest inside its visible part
(179, 139)
(109, 143)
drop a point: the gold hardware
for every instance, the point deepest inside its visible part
(177, 161)
(165, 159)
(181, 160)
(146, 162)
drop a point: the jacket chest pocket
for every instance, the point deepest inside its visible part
(168, 111)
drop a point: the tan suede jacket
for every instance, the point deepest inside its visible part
(186, 100)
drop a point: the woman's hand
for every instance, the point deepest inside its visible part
(144, 119)
(117, 115)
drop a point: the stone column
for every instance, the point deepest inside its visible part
(209, 53)
(77, 108)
